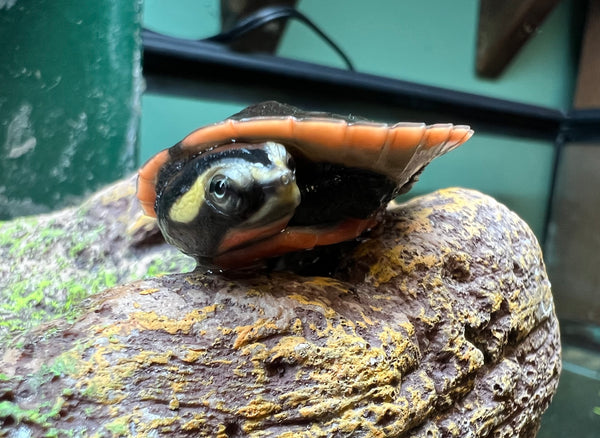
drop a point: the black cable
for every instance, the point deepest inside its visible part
(266, 15)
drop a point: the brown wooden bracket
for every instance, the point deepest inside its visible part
(504, 27)
(587, 95)
(264, 39)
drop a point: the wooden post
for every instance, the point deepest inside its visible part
(587, 95)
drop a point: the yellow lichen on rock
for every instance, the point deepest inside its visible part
(153, 321)
(250, 333)
(318, 302)
(258, 408)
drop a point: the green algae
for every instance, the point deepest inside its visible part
(42, 416)
(34, 300)
(155, 269)
(119, 427)
(160, 267)
(54, 262)
(35, 416)
(18, 414)
(50, 272)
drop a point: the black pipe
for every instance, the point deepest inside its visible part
(207, 69)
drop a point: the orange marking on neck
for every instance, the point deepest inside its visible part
(239, 237)
(293, 239)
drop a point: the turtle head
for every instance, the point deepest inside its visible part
(227, 198)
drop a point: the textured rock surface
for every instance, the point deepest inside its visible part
(442, 324)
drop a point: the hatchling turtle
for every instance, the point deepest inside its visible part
(274, 179)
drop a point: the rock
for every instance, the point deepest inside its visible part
(441, 324)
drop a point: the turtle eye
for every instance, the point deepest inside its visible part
(221, 192)
(223, 195)
(219, 186)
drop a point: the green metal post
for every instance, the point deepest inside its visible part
(70, 87)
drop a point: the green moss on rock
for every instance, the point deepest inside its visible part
(51, 263)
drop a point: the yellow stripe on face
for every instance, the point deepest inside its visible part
(186, 208)
(241, 174)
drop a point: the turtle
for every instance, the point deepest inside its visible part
(274, 179)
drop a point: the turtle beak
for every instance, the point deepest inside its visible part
(281, 197)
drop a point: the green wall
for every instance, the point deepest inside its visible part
(430, 42)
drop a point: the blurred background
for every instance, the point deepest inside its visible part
(90, 90)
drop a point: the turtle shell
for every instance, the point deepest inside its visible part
(348, 168)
